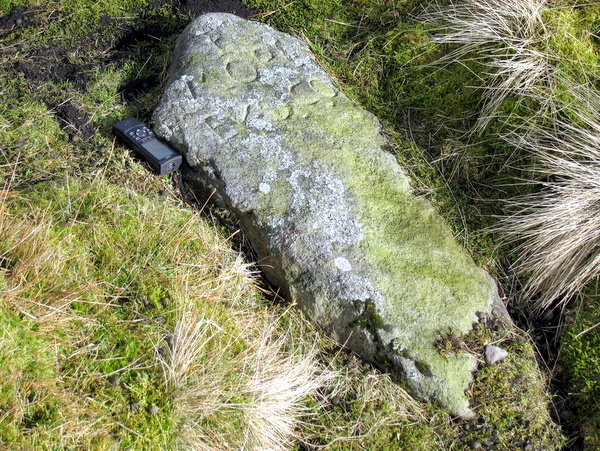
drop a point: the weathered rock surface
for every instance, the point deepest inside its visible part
(328, 211)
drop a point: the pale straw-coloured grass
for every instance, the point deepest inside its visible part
(554, 229)
(558, 226)
(233, 396)
(507, 37)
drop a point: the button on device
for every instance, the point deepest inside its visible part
(142, 132)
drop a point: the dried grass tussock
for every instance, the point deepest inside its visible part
(249, 397)
(524, 44)
(558, 227)
(506, 36)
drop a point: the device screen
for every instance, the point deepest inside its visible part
(158, 150)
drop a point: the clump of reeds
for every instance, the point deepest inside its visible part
(507, 37)
(556, 227)
(247, 390)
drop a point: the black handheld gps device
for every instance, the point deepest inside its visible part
(161, 157)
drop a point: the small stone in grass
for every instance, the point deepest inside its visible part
(494, 354)
(153, 409)
(147, 304)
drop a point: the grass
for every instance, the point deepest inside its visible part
(130, 322)
(151, 308)
(556, 226)
(540, 60)
(580, 356)
(507, 38)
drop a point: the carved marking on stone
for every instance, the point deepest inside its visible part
(223, 129)
(192, 86)
(217, 41)
(281, 113)
(304, 94)
(212, 122)
(241, 71)
(280, 46)
(312, 91)
(322, 88)
(230, 126)
(263, 55)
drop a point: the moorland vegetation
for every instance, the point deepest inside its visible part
(130, 320)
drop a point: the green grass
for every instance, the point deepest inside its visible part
(91, 243)
(126, 303)
(72, 301)
(579, 355)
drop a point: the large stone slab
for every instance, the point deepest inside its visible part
(328, 211)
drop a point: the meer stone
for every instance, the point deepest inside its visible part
(329, 213)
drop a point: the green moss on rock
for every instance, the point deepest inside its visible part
(329, 212)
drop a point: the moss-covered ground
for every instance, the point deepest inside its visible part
(99, 258)
(383, 56)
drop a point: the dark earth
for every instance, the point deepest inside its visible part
(55, 64)
(126, 40)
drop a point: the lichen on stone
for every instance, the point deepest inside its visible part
(329, 212)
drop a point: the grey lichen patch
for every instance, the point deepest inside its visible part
(330, 214)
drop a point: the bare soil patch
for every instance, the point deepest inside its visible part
(112, 41)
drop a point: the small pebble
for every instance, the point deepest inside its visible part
(153, 409)
(494, 354)
(567, 415)
(165, 302)
(160, 319)
(115, 381)
(162, 351)
(169, 339)
(76, 138)
(548, 316)
(134, 407)
(147, 304)
(476, 445)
